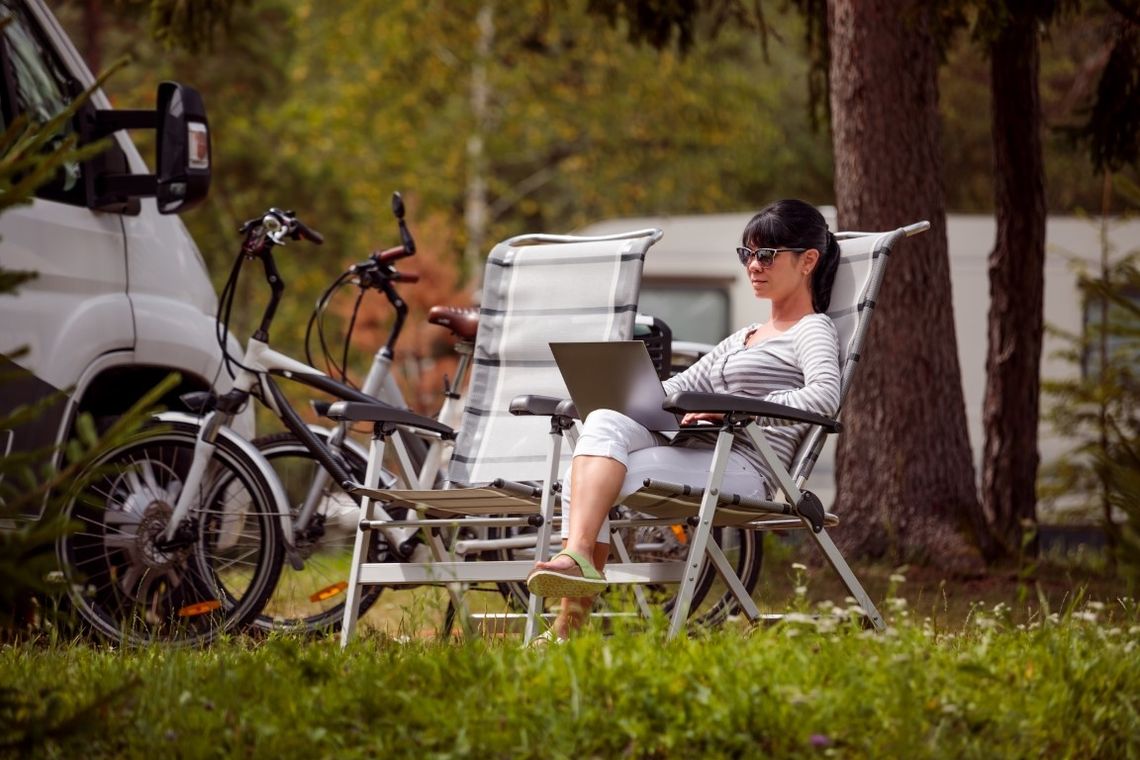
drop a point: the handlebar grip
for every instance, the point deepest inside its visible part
(405, 277)
(303, 230)
(390, 255)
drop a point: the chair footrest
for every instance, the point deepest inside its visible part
(487, 500)
(406, 573)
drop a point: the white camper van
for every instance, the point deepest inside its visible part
(121, 297)
(694, 282)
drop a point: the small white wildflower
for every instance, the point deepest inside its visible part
(897, 578)
(1088, 617)
(854, 609)
(850, 600)
(1113, 632)
(1095, 606)
(1054, 618)
(896, 604)
(799, 566)
(799, 617)
(1134, 630)
(801, 590)
(1129, 647)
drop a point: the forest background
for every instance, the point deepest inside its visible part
(496, 119)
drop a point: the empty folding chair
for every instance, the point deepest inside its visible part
(536, 289)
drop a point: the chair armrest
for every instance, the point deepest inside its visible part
(358, 411)
(689, 401)
(539, 406)
(568, 409)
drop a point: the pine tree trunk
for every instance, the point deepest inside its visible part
(904, 469)
(1017, 281)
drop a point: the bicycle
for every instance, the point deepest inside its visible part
(184, 530)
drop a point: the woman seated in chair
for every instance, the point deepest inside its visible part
(792, 359)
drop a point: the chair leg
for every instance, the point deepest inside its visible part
(363, 539)
(622, 552)
(720, 562)
(542, 547)
(359, 555)
(835, 558)
(700, 539)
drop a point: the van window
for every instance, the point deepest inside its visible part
(36, 83)
(693, 312)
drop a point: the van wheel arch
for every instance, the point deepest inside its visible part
(113, 391)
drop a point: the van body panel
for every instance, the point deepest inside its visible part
(77, 307)
(164, 262)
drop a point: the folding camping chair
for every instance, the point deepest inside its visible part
(536, 289)
(863, 261)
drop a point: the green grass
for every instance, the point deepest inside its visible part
(1057, 685)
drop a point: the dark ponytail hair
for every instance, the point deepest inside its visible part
(796, 224)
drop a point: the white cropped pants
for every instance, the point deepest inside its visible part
(606, 433)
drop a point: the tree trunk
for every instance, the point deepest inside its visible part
(1017, 282)
(904, 469)
(475, 204)
(93, 35)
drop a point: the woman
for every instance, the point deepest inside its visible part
(791, 359)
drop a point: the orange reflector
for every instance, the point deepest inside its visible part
(201, 608)
(679, 532)
(328, 592)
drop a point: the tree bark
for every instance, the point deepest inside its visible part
(93, 35)
(1017, 281)
(905, 474)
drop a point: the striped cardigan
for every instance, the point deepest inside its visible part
(798, 367)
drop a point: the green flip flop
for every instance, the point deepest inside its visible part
(582, 580)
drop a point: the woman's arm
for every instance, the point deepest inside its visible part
(816, 349)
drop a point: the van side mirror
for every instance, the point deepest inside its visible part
(182, 148)
(182, 151)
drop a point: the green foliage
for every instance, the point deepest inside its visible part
(1101, 410)
(1064, 685)
(40, 483)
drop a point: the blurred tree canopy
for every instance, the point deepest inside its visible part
(327, 108)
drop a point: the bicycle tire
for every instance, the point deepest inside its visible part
(743, 548)
(311, 599)
(213, 579)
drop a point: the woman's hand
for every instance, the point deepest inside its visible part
(694, 418)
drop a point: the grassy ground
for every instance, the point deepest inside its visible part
(1004, 666)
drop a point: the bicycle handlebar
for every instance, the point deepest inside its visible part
(392, 254)
(304, 231)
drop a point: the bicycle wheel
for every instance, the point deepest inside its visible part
(311, 598)
(742, 548)
(131, 585)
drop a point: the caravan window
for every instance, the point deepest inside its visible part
(696, 312)
(1122, 339)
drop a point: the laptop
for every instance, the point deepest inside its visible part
(616, 375)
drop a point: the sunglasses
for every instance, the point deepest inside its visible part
(764, 256)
